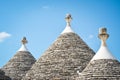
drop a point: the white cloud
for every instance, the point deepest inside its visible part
(45, 7)
(90, 36)
(4, 35)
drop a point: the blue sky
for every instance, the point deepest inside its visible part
(42, 21)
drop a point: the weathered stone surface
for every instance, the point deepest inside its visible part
(2, 72)
(3, 76)
(63, 58)
(17, 67)
(104, 69)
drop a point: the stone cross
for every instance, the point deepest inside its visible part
(68, 19)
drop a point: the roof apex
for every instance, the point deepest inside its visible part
(23, 47)
(68, 29)
(103, 52)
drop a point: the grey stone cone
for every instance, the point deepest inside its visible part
(17, 67)
(62, 59)
(104, 69)
(3, 76)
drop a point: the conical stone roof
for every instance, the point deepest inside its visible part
(103, 65)
(21, 62)
(2, 76)
(63, 58)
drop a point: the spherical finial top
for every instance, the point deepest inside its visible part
(103, 35)
(102, 31)
(68, 18)
(24, 41)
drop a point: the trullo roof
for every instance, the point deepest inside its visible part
(103, 66)
(63, 58)
(21, 62)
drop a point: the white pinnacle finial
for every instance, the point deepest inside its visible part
(103, 52)
(68, 29)
(23, 47)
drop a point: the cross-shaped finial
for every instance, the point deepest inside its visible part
(103, 35)
(68, 19)
(24, 41)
